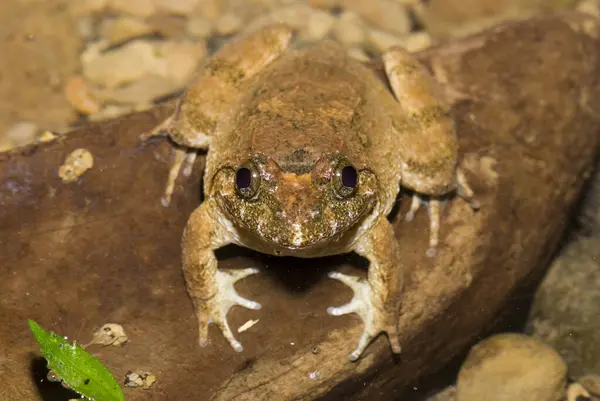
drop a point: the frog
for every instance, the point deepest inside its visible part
(307, 150)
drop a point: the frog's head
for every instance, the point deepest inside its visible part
(296, 205)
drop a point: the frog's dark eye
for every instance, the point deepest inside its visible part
(346, 179)
(247, 181)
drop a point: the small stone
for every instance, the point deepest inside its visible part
(110, 334)
(138, 8)
(199, 27)
(383, 40)
(358, 53)
(77, 163)
(181, 60)
(80, 96)
(120, 66)
(120, 30)
(417, 41)
(591, 7)
(109, 112)
(21, 134)
(349, 29)
(144, 380)
(319, 24)
(295, 15)
(143, 91)
(176, 7)
(228, 24)
(209, 9)
(388, 15)
(46, 136)
(509, 367)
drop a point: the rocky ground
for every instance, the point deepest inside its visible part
(68, 62)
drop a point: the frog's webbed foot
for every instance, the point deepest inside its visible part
(373, 319)
(433, 208)
(214, 310)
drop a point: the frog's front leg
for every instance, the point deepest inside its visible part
(427, 140)
(211, 290)
(377, 299)
(213, 92)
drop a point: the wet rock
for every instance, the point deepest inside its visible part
(509, 367)
(567, 305)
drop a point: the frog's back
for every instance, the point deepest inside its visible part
(308, 103)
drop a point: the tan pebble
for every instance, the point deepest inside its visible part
(120, 66)
(87, 7)
(199, 27)
(319, 24)
(177, 7)
(591, 7)
(209, 9)
(109, 112)
(324, 4)
(122, 29)
(181, 60)
(138, 8)
(144, 380)
(383, 40)
(46, 136)
(80, 96)
(296, 15)
(388, 15)
(509, 367)
(417, 41)
(349, 29)
(77, 163)
(144, 90)
(358, 53)
(21, 134)
(228, 24)
(110, 334)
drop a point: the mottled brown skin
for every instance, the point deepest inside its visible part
(295, 119)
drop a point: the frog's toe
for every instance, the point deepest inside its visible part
(215, 309)
(362, 305)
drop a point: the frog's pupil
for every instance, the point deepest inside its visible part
(349, 177)
(243, 178)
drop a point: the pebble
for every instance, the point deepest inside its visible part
(591, 7)
(109, 112)
(122, 29)
(176, 7)
(20, 134)
(509, 367)
(209, 9)
(358, 53)
(388, 15)
(349, 29)
(142, 91)
(199, 27)
(296, 15)
(318, 26)
(138, 8)
(80, 96)
(86, 7)
(228, 24)
(181, 60)
(76, 164)
(120, 66)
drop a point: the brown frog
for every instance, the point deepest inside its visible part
(307, 150)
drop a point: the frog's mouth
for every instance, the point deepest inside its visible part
(275, 228)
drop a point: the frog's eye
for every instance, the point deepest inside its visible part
(346, 179)
(247, 181)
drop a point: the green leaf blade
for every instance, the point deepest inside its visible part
(77, 368)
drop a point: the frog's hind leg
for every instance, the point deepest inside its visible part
(427, 142)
